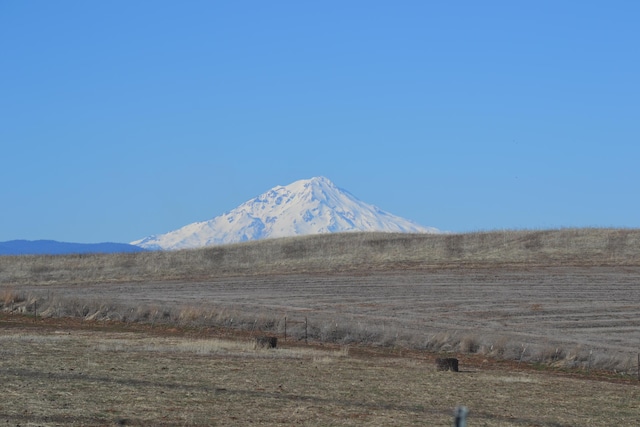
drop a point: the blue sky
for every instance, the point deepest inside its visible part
(122, 119)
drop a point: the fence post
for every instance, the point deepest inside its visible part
(460, 415)
(305, 330)
(524, 348)
(285, 328)
(638, 366)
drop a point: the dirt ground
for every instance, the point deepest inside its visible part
(76, 372)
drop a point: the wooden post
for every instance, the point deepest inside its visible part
(305, 330)
(524, 348)
(35, 310)
(285, 328)
(638, 366)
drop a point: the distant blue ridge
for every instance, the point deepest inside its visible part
(52, 247)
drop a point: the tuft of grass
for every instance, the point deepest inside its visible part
(10, 296)
(469, 344)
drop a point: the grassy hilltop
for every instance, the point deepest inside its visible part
(338, 252)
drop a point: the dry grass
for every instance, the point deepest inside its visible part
(10, 296)
(563, 298)
(467, 293)
(70, 376)
(336, 252)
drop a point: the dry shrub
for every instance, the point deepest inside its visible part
(104, 311)
(629, 366)
(450, 341)
(606, 362)
(441, 341)
(265, 323)
(390, 337)
(500, 348)
(336, 332)
(11, 296)
(143, 313)
(190, 315)
(551, 354)
(579, 356)
(469, 344)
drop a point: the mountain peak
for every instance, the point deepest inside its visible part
(318, 183)
(317, 180)
(307, 206)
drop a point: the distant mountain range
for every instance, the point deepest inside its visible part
(310, 206)
(52, 247)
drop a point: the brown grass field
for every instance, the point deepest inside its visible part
(546, 325)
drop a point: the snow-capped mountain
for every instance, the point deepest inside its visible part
(310, 206)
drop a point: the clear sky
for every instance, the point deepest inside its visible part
(120, 119)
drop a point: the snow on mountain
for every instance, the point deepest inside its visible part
(310, 206)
